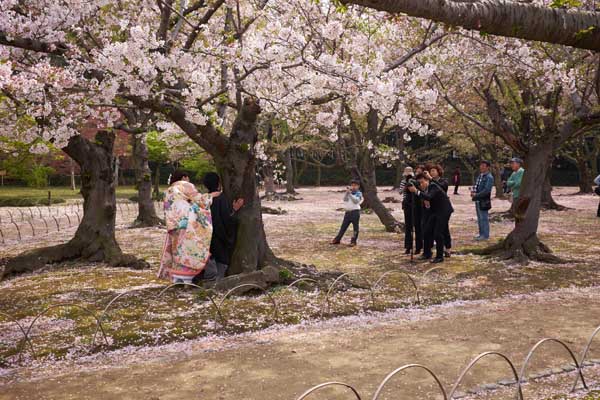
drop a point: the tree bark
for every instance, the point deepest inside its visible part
(318, 178)
(523, 244)
(369, 186)
(289, 172)
(72, 173)
(548, 202)
(585, 177)
(143, 181)
(503, 18)
(94, 240)
(237, 167)
(156, 190)
(497, 172)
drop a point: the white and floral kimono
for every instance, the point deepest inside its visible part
(189, 231)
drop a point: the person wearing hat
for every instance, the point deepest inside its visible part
(481, 194)
(412, 207)
(514, 181)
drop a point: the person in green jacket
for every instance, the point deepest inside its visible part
(514, 181)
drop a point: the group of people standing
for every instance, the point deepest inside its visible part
(201, 230)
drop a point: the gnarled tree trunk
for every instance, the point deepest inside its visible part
(143, 181)
(368, 182)
(94, 240)
(523, 244)
(497, 169)
(237, 167)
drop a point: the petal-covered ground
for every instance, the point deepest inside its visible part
(140, 320)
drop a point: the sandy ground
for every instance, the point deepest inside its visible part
(282, 363)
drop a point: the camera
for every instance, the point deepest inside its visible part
(412, 182)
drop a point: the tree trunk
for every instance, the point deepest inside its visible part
(523, 244)
(497, 169)
(585, 178)
(299, 172)
(72, 168)
(548, 202)
(399, 177)
(143, 181)
(503, 18)
(289, 172)
(237, 167)
(94, 240)
(156, 191)
(369, 186)
(116, 172)
(318, 179)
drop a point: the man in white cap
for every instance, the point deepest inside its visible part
(515, 179)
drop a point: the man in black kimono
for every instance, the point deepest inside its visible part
(440, 208)
(224, 221)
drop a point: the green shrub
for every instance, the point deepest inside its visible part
(28, 201)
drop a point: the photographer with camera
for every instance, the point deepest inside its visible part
(413, 212)
(435, 172)
(437, 202)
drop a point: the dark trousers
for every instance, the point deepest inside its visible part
(436, 230)
(456, 189)
(598, 210)
(412, 221)
(350, 217)
(428, 224)
(447, 236)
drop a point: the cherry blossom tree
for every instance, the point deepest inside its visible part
(72, 62)
(534, 98)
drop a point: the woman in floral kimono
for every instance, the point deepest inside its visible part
(189, 229)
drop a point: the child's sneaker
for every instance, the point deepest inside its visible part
(352, 244)
(334, 241)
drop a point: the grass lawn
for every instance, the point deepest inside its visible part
(64, 192)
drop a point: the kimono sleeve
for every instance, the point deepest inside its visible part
(203, 200)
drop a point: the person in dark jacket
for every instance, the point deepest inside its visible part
(435, 174)
(224, 220)
(413, 208)
(456, 179)
(440, 208)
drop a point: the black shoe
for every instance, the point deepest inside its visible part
(407, 251)
(417, 252)
(437, 260)
(425, 257)
(447, 254)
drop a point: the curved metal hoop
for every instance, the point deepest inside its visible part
(322, 385)
(215, 306)
(332, 286)
(431, 270)
(403, 368)
(291, 285)
(378, 281)
(25, 335)
(86, 310)
(476, 360)
(255, 286)
(584, 355)
(534, 349)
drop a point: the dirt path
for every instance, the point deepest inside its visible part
(282, 363)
